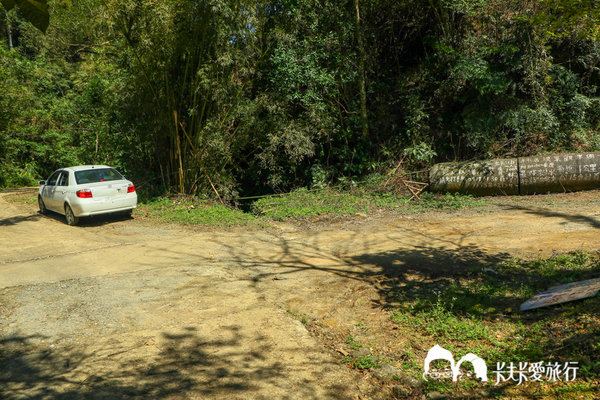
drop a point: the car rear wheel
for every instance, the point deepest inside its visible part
(71, 218)
(43, 209)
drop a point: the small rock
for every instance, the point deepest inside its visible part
(387, 373)
(300, 328)
(400, 391)
(412, 382)
(436, 396)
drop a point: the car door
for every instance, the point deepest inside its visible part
(49, 190)
(60, 191)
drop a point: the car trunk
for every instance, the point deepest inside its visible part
(108, 192)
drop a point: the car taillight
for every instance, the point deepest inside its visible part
(84, 193)
(130, 188)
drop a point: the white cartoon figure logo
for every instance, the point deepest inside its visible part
(439, 353)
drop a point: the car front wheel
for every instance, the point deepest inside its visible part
(71, 218)
(43, 209)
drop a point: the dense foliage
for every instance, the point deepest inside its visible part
(229, 97)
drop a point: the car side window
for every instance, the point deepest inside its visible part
(64, 179)
(53, 178)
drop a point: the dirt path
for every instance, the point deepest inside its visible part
(130, 309)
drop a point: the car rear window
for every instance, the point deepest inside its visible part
(97, 175)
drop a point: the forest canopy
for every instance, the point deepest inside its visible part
(246, 97)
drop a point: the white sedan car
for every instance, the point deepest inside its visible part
(85, 191)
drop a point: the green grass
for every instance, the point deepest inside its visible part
(304, 203)
(352, 342)
(366, 362)
(481, 315)
(26, 197)
(192, 211)
(297, 205)
(478, 312)
(443, 324)
(362, 362)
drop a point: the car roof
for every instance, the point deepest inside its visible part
(86, 167)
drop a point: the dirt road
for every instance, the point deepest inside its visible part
(127, 308)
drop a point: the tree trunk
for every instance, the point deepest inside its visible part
(9, 33)
(361, 73)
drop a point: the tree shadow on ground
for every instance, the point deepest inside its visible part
(415, 271)
(18, 219)
(187, 365)
(544, 212)
(455, 292)
(463, 282)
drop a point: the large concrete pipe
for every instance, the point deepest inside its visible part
(479, 178)
(559, 173)
(528, 175)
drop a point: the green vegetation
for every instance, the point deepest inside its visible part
(325, 203)
(305, 203)
(479, 315)
(366, 362)
(362, 362)
(355, 345)
(443, 324)
(223, 99)
(298, 205)
(478, 312)
(235, 99)
(194, 212)
(304, 319)
(469, 308)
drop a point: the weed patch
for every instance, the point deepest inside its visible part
(480, 315)
(28, 197)
(304, 203)
(478, 312)
(362, 362)
(353, 343)
(192, 211)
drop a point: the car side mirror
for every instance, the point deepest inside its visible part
(41, 183)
